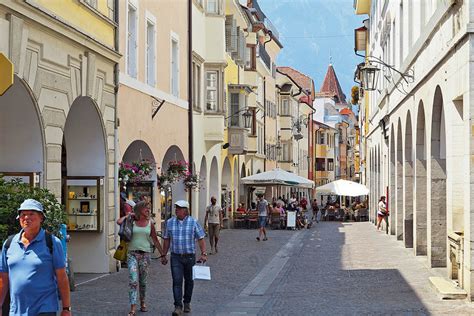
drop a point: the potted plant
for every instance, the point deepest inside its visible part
(177, 169)
(135, 171)
(191, 182)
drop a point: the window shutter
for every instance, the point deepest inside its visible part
(242, 46)
(234, 37)
(228, 32)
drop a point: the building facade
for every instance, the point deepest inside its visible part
(418, 133)
(57, 122)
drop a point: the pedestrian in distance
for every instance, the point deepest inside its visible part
(139, 254)
(181, 234)
(381, 211)
(213, 221)
(33, 267)
(263, 209)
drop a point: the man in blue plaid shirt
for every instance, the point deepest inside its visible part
(181, 233)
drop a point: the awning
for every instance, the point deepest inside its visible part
(343, 187)
(278, 177)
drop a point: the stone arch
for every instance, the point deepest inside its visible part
(22, 140)
(84, 154)
(399, 207)
(408, 218)
(420, 218)
(236, 181)
(392, 192)
(203, 192)
(438, 215)
(178, 192)
(214, 179)
(139, 150)
(227, 187)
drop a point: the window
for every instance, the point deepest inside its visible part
(132, 42)
(150, 53)
(286, 152)
(212, 6)
(196, 86)
(285, 107)
(111, 10)
(92, 3)
(211, 90)
(234, 109)
(321, 138)
(330, 165)
(320, 164)
(250, 57)
(174, 68)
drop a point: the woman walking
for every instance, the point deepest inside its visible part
(139, 251)
(381, 211)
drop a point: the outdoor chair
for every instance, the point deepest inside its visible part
(252, 219)
(275, 220)
(239, 220)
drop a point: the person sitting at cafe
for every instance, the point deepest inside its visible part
(241, 209)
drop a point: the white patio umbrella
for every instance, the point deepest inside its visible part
(344, 188)
(278, 176)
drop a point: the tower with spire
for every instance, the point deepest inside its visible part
(332, 89)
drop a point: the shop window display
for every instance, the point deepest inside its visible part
(83, 203)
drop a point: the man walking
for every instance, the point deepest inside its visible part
(213, 221)
(33, 267)
(181, 232)
(263, 211)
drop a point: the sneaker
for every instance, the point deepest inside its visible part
(264, 239)
(187, 308)
(178, 311)
(258, 238)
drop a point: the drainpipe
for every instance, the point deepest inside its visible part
(190, 98)
(116, 143)
(264, 124)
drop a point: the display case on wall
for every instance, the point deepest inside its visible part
(83, 203)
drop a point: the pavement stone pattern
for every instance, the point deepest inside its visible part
(331, 269)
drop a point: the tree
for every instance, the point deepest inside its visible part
(13, 193)
(355, 95)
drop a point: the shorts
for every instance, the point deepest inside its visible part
(214, 230)
(262, 221)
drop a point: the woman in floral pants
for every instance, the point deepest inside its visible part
(139, 252)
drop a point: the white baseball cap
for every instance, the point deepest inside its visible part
(182, 203)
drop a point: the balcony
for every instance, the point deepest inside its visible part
(321, 150)
(238, 140)
(321, 174)
(362, 6)
(252, 144)
(213, 128)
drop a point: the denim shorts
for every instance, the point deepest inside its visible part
(262, 221)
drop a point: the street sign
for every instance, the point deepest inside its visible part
(6, 73)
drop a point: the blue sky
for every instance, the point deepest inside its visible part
(313, 30)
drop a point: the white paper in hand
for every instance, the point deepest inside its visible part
(201, 272)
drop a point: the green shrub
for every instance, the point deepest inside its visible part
(13, 193)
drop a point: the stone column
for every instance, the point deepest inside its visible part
(437, 250)
(420, 221)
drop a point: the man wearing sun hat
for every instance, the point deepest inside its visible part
(181, 234)
(31, 270)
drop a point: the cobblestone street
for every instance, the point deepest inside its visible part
(331, 269)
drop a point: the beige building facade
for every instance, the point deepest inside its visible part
(57, 121)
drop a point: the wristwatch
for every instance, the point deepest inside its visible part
(68, 308)
(203, 254)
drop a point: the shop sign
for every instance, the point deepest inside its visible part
(6, 74)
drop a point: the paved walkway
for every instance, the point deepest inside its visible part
(331, 269)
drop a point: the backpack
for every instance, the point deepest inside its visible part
(48, 237)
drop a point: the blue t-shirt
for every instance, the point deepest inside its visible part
(32, 275)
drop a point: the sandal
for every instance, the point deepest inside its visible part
(132, 313)
(143, 309)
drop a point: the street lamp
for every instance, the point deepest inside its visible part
(369, 74)
(247, 118)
